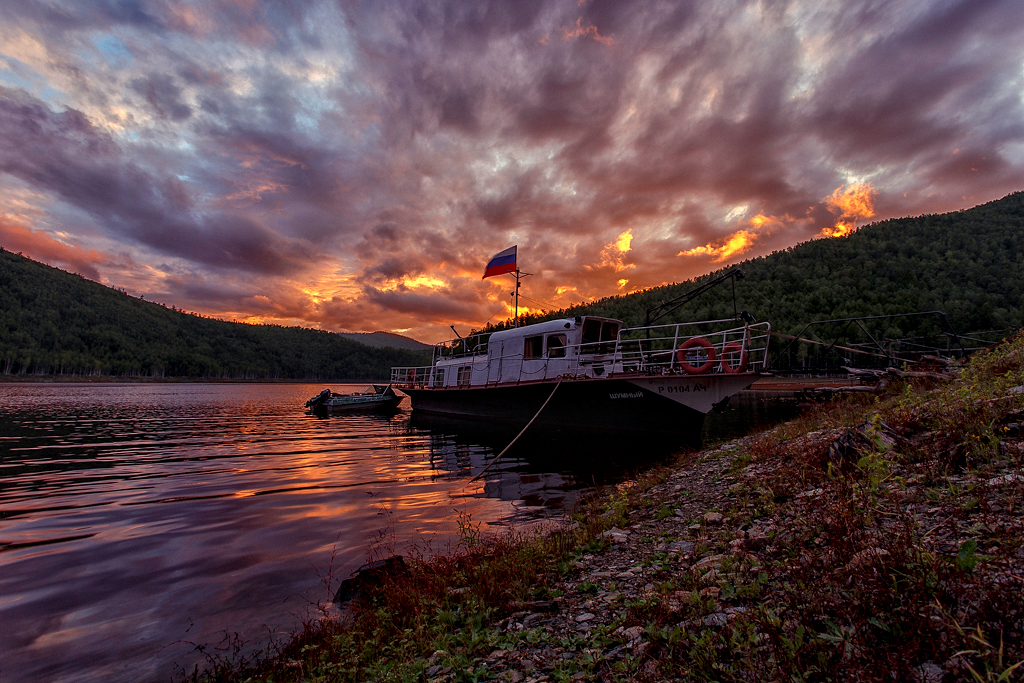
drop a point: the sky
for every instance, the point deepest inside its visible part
(352, 166)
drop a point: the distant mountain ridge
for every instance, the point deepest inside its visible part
(968, 263)
(57, 323)
(390, 339)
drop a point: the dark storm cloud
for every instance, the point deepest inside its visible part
(575, 91)
(309, 172)
(435, 307)
(63, 153)
(399, 252)
(680, 150)
(74, 16)
(164, 96)
(895, 99)
(399, 145)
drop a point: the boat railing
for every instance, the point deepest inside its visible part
(706, 347)
(473, 345)
(703, 348)
(418, 377)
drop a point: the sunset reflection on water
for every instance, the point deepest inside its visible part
(140, 519)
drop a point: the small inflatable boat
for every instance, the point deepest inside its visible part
(375, 397)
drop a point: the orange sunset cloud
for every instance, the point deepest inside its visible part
(350, 168)
(852, 203)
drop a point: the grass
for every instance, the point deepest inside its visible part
(872, 538)
(882, 506)
(440, 617)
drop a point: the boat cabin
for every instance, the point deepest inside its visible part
(589, 347)
(584, 345)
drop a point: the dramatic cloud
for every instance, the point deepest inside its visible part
(352, 166)
(851, 204)
(40, 246)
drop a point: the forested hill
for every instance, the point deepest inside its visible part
(53, 322)
(380, 338)
(967, 263)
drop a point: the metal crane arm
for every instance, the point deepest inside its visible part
(658, 312)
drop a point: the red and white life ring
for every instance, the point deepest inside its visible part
(683, 359)
(733, 348)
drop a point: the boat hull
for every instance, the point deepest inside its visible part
(331, 407)
(612, 405)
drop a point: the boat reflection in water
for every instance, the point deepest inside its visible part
(750, 411)
(545, 470)
(549, 470)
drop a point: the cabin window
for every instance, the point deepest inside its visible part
(465, 372)
(599, 336)
(556, 346)
(533, 347)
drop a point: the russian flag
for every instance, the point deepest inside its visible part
(503, 262)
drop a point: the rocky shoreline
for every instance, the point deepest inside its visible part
(874, 538)
(627, 567)
(715, 537)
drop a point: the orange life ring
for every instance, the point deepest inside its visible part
(734, 347)
(684, 362)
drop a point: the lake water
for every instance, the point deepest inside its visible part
(139, 520)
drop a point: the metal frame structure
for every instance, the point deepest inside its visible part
(663, 309)
(876, 347)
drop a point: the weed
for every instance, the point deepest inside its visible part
(991, 660)
(858, 575)
(665, 512)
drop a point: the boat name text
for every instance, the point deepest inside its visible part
(627, 394)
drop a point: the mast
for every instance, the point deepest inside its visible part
(519, 275)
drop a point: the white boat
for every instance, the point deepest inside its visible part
(591, 374)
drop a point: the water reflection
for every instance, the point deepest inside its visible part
(134, 517)
(750, 410)
(592, 459)
(542, 473)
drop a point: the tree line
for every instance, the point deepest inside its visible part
(57, 323)
(968, 264)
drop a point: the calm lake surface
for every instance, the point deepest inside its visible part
(139, 520)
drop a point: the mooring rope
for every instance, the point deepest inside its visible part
(511, 443)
